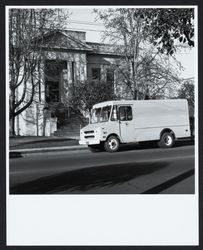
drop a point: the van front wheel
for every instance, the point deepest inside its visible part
(112, 144)
(166, 141)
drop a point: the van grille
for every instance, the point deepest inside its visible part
(89, 132)
(89, 136)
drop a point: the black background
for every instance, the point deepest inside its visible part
(3, 114)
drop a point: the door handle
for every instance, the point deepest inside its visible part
(126, 123)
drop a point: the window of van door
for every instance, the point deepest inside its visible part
(127, 128)
(125, 113)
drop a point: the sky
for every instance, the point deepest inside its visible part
(79, 21)
(84, 19)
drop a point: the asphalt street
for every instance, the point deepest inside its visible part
(133, 170)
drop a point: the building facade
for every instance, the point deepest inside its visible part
(67, 59)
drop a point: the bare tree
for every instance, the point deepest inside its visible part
(124, 27)
(158, 73)
(26, 54)
(145, 71)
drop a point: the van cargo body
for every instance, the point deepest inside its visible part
(136, 121)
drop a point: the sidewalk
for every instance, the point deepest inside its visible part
(32, 144)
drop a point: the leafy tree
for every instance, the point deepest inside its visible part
(187, 91)
(169, 26)
(26, 54)
(85, 94)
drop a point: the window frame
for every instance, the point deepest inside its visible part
(117, 115)
(110, 74)
(99, 74)
(51, 90)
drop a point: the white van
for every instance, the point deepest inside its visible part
(115, 122)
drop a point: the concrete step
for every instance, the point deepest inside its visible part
(71, 126)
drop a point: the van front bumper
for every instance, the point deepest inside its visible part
(89, 142)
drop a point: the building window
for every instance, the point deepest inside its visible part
(110, 75)
(110, 79)
(96, 74)
(53, 71)
(52, 91)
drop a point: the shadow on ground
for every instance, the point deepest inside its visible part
(87, 178)
(47, 140)
(152, 144)
(45, 143)
(15, 154)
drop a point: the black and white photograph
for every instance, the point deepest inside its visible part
(102, 113)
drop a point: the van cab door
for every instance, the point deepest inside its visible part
(127, 127)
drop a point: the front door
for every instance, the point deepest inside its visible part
(127, 127)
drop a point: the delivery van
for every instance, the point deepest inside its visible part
(126, 121)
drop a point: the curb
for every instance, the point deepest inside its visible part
(17, 153)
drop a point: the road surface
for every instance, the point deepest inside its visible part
(133, 170)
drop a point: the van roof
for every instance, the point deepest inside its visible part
(131, 102)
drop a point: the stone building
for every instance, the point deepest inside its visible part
(68, 58)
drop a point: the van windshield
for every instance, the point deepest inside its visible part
(100, 114)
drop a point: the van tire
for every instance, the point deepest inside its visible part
(112, 144)
(166, 141)
(95, 148)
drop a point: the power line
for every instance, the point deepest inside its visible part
(84, 29)
(77, 22)
(85, 22)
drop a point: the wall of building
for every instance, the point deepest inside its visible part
(105, 62)
(99, 61)
(30, 121)
(36, 120)
(76, 64)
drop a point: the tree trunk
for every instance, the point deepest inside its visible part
(135, 85)
(12, 126)
(12, 114)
